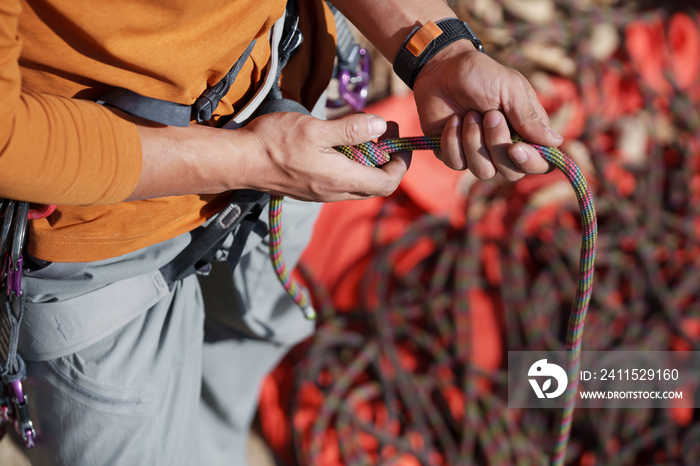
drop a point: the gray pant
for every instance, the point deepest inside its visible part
(122, 371)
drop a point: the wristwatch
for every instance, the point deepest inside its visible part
(424, 42)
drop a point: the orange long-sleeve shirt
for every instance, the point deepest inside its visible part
(59, 147)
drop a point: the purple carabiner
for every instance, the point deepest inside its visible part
(14, 278)
(23, 422)
(353, 86)
(5, 406)
(4, 413)
(15, 390)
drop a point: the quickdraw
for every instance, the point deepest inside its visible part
(377, 154)
(14, 404)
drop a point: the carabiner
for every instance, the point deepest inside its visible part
(7, 216)
(23, 422)
(14, 269)
(5, 405)
(353, 86)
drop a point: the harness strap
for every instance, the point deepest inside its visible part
(242, 212)
(207, 103)
(172, 113)
(149, 108)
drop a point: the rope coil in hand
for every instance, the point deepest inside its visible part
(377, 154)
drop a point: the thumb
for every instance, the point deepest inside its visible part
(354, 129)
(524, 115)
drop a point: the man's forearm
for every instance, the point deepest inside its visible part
(197, 159)
(386, 23)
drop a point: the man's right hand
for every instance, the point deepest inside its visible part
(287, 154)
(300, 161)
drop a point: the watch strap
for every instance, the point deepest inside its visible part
(425, 41)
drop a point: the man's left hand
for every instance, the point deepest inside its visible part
(469, 99)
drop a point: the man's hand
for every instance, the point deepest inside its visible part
(281, 153)
(299, 160)
(469, 99)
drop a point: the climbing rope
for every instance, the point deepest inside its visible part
(407, 365)
(377, 154)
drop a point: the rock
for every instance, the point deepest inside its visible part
(533, 11)
(550, 57)
(604, 41)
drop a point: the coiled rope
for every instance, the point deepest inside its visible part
(377, 154)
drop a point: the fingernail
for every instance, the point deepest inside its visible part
(554, 133)
(517, 154)
(473, 117)
(492, 120)
(454, 121)
(377, 126)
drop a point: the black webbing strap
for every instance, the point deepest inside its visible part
(243, 212)
(12, 367)
(149, 108)
(407, 65)
(205, 105)
(172, 113)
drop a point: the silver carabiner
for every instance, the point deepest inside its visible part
(8, 215)
(14, 269)
(19, 234)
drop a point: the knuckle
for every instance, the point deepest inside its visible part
(335, 184)
(316, 196)
(388, 190)
(472, 130)
(308, 129)
(511, 176)
(517, 74)
(484, 173)
(455, 162)
(319, 190)
(352, 130)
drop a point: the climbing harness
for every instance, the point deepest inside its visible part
(377, 154)
(240, 216)
(14, 403)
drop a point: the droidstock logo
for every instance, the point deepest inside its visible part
(543, 369)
